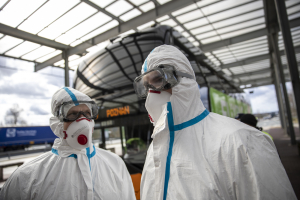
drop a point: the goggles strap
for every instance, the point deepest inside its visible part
(184, 74)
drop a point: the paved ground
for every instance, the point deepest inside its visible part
(289, 155)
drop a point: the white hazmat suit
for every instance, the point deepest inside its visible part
(66, 173)
(205, 156)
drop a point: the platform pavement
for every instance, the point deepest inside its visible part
(289, 155)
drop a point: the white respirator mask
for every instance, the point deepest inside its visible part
(154, 102)
(79, 133)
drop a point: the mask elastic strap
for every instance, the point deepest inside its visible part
(184, 74)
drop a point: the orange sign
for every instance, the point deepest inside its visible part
(117, 111)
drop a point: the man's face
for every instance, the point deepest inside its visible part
(74, 110)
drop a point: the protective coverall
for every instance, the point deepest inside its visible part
(200, 155)
(66, 173)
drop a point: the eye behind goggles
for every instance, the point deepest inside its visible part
(160, 78)
(65, 114)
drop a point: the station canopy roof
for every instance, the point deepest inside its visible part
(232, 34)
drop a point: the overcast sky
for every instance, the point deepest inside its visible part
(32, 91)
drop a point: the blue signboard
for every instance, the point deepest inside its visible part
(26, 135)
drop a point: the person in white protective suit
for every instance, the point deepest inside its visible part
(74, 169)
(196, 154)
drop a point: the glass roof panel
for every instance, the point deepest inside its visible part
(48, 56)
(84, 28)
(226, 61)
(261, 39)
(100, 30)
(245, 46)
(102, 3)
(206, 35)
(225, 49)
(291, 2)
(191, 39)
(169, 22)
(226, 71)
(119, 7)
(22, 49)
(138, 2)
(163, 1)
(235, 11)
(70, 19)
(217, 7)
(202, 29)
(242, 25)
(204, 3)
(189, 16)
(73, 57)
(78, 41)
(294, 16)
(127, 33)
(185, 34)
(42, 51)
(238, 19)
(99, 46)
(18, 10)
(196, 43)
(8, 42)
(196, 23)
(131, 14)
(179, 29)
(61, 62)
(184, 10)
(293, 9)
(250, 48)
(162, 18)
(148, 6)
(148, 24)
(253, 51)
(212, 39)
(243, 31)
(46, 15)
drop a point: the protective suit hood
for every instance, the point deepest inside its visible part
(185, 96)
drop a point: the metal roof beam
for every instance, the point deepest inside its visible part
(160, 11)
(262, 71)
(253, 59)
(245, 61)
(258, 85)
(241, 38)
(7, 30)
(259, 80)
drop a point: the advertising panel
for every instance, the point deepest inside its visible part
(226, 105)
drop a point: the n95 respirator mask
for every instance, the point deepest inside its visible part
(154, 103)
(79, 133)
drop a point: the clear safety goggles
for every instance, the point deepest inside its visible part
(67, 115)
(160, 78)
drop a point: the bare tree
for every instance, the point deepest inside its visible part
(13, 115)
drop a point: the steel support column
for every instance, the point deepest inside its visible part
(278, 95)
(289, 51)
(278, 65)
(66, 58)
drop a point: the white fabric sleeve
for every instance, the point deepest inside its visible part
(12, 189)
(257, 172)
(127, 188)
